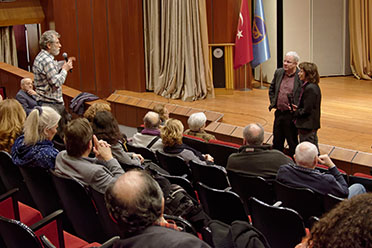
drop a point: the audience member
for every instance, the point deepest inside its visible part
(307, 113)
(305, 175)
(58, 139)
(26, 96)
(136, 203)
(98, 172)
(196, 124)
(149, 137)
(254, 158)
(12, 117)
(106, 128)
(35, 147)
(285, 85)
(94, 108)
(49, 76)
(171, 135)
(349, 224)
(163, 113)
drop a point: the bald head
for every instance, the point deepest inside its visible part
(253, 134)
(26, 84)
(151, 120)
(135, 201)
(306, 155)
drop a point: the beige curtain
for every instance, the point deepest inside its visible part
(8, 49)
(176, 49)
(360, 23)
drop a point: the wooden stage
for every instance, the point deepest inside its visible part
(346, 110)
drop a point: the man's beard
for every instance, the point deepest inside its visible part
(54, 51)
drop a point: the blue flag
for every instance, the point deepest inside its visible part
(261, 49)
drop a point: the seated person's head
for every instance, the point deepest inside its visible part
(26, 84)
(253, 134)
(197, 121)
(151, 120)
(172, 132)
(41, 124)
(162, 111)
(306, 155)
(135, 201)
(78, 137)
(106, 127)
(349, 224)
(94, 108)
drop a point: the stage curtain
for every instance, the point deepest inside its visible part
(360, 25)
(8, 49)
(176, 49)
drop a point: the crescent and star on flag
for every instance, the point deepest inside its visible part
(240, 32)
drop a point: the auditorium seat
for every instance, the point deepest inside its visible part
(364, 179)
(213, 176)
(221, 150)
(195, 142)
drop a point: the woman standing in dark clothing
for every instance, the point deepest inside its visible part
(307, 113)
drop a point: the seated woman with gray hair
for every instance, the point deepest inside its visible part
(196, 124)
(35, 148)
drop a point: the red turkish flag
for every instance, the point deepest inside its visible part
(243, 39)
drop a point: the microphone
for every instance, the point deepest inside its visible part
(290, 100)
(65, 56)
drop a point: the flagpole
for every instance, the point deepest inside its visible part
(245, 80)
(261, 87)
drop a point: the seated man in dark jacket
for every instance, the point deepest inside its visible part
(254, 158)
(304, 174)
(136, 203)
(26, 96)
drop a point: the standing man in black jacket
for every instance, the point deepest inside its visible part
(285, 90)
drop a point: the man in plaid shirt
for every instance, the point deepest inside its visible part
(49, 75)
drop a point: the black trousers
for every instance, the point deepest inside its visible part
(284, 129)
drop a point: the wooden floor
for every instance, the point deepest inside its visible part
(346, 110)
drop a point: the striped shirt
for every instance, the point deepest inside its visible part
(48, 78)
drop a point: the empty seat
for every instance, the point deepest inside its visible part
(221, 150)
(145, 152)
(282, 227)
(213, 176)
(175, 165)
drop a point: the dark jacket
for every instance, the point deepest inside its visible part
(323, 183)
(158, 236)
(275, 86)
(42, 154)
(27, 101)
(307, 114)
(257, 161)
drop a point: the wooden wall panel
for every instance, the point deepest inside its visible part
(101, 48)
(134, 46)
(116, 45)
(65, 19)
(86, 61)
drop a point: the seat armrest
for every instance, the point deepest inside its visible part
(10, 193)
(109, 243)
(46, 242)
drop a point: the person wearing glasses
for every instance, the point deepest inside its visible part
(284, 92)
(49, 74)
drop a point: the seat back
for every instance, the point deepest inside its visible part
(366, 181)
(330, 201)
(305, 201)
(175, 165)
(196, 143)
(213, 176)
(247, 186)
(282, 227)
(12, 178)
(183, 182)
(16, 234)
(220, 152)
(225, 206)
(144, 151)
(42, 189)
(110, 227)
(79, 208)
(181, 223)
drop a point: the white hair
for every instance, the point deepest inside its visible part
(294, 55)
(23, 81)
(305, 154)
(196, 121)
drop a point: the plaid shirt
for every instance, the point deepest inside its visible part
(168, 225)
(48, 78)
